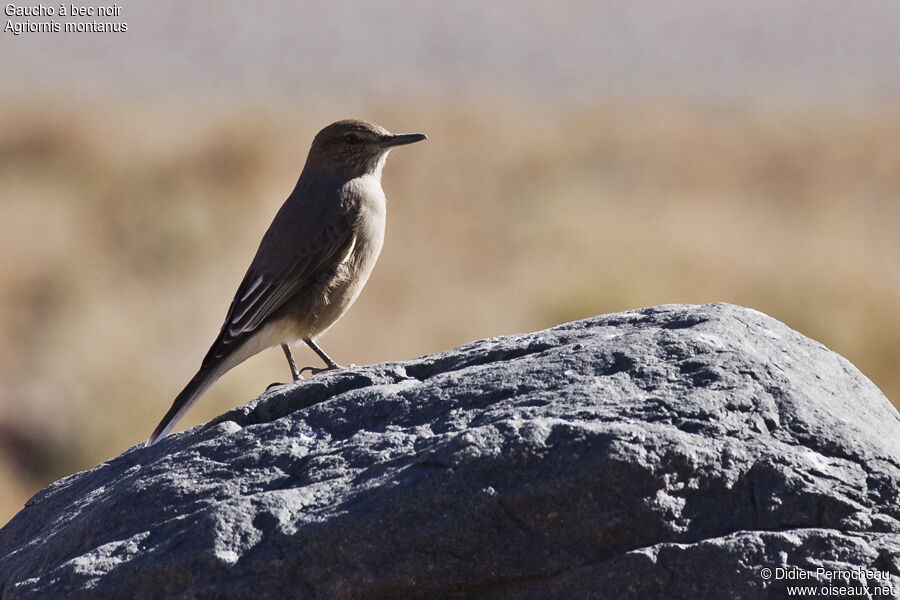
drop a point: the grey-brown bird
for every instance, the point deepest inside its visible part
(313, 260)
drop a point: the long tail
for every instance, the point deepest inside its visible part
(204, 378)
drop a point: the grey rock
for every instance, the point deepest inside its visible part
(670, 452)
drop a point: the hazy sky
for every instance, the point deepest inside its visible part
(579, 47)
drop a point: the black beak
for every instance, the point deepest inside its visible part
(402, 139)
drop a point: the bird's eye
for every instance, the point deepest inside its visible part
(351, 138)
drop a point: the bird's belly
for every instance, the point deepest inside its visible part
(342, 289)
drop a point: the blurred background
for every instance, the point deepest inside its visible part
(584, 157)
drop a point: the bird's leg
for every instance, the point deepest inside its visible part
(290, 358)
(295, 373)
(328, 360)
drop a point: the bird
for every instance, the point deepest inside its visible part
(312, 262)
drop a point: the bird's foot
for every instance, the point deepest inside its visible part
(317, 370)
(276, 384)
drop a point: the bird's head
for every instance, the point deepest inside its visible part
(354, 148)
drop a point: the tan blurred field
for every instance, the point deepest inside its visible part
(125, 232)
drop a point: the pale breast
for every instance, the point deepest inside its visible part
(359, 260)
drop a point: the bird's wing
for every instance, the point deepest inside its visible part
(291, 255)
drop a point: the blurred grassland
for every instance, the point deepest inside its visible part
(125, 231)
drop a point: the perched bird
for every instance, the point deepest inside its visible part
(313, 260)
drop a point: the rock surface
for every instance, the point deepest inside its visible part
(670, 452)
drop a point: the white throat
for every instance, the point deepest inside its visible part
(379, 166)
